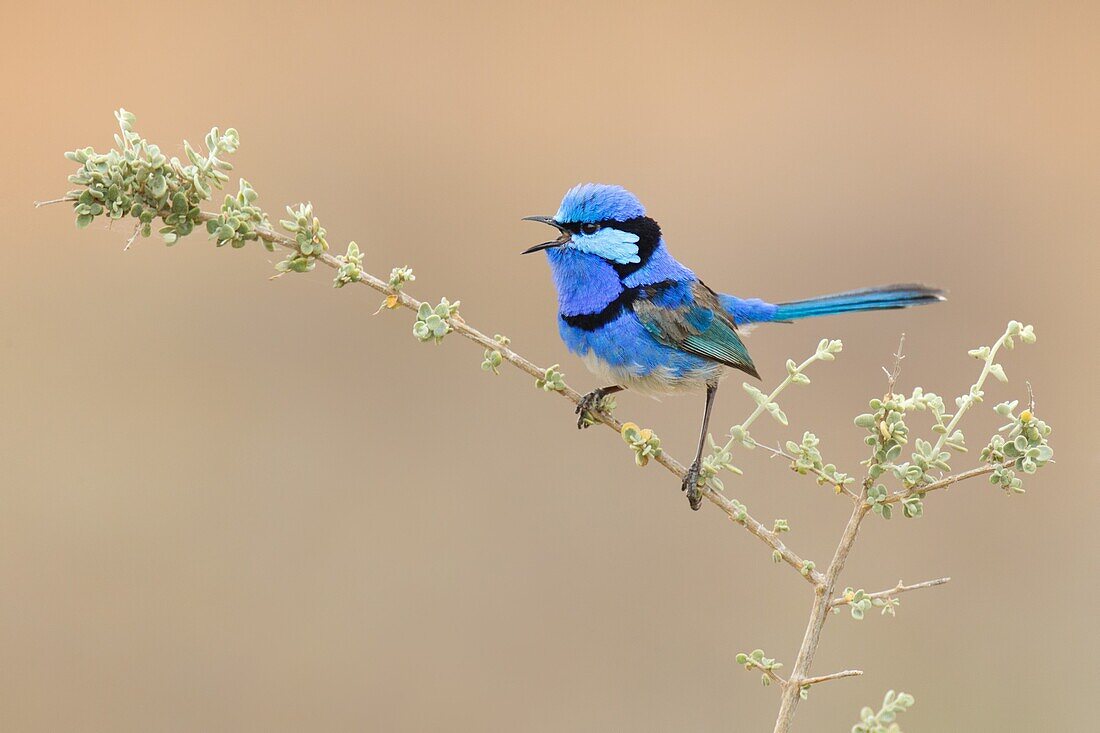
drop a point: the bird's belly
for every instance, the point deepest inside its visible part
(658, 381)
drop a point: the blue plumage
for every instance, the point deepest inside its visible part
(598, 201)
(641, 320)
(867, 299)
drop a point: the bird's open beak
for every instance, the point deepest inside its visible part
(565, 234)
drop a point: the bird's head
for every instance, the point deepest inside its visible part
(602, 220)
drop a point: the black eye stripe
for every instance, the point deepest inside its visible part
(626, 225)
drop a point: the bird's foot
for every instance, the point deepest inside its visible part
(691, 486)
(589, 405)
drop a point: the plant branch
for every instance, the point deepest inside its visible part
(777, 679)
(735, 511)
(819, 612)
(50, 202)
(829, 677)
(943, 483)
(765, 402)
(821, 606)
(777, 452)
(895, 372)
(974, 395)
(762, 406)
(891, 592)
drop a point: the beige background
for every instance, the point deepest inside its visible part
(231, 504)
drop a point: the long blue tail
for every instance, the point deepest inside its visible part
(867, 299)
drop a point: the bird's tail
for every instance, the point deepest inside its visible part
(867, 299)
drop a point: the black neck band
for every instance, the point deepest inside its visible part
(611, 311)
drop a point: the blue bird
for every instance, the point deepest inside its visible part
(640, 320)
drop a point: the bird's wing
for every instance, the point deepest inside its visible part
(688, 316)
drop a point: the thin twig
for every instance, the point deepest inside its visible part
(777, 679)
(828, 677)
(893, 374)
(891, 592)
(63, 199)
(778, 452)
(769, 673)
(130, 241)
(943, 483)
(966, 404)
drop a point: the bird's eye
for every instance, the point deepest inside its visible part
(590, 228)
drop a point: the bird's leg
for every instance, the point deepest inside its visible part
(591, 401)
(691, 480)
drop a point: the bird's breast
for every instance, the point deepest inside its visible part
(624, 351)
(585, 283)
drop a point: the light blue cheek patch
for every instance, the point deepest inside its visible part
(611, 244)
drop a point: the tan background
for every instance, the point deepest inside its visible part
(231, 504)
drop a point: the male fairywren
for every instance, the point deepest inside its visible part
(640, 320)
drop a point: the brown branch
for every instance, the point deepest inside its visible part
(777, 679)
(822, 604)
(891, 592)
(829, 677)
(943, 483)
(758, 530)
(819, 611)
(736, 513)
(777, 452)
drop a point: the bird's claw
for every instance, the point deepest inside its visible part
(690, 486)
(587, 408)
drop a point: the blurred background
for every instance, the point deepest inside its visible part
(231, 503)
